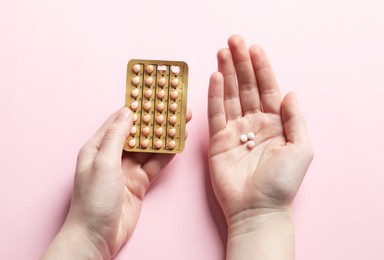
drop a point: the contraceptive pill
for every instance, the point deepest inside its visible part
(145, 130)
(251, 144)
(135, 80)
(160, 119)
(134, 105)
(160, 106)
(173, 119)
(135, 92)
(145, 143)
(175, 82)
(159, 131)
(134, 118)
(243, 138)
(172, 132)
(174, 94)
(146, 118)
(171, 145)
(148, 81)
(158, 144)
(136, 68)
(133, 130)
(161, 94)
(156, 92)
(132, 142)
(173, 107)
(147, 105)
(161, 82)
(148, 93)
(149, 68)
(251, 135)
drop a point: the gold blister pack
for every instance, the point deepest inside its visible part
(156, 93)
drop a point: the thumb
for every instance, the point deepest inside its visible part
(116, 134)
(293, 120)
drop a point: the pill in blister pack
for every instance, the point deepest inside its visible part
(156, 93)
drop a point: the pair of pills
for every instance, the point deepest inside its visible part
(248, 138)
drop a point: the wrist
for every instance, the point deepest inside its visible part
(261, 234)
(76, 242)
(254, 220)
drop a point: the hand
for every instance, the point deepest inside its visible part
(243, 97)
(109, 189)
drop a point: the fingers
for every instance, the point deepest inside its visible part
(155, 164)
(249, 94)
(293, 120)
(231, 94)
(216, 111)
(112, 144)
(268, 88)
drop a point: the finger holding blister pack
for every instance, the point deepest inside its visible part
(156, 92)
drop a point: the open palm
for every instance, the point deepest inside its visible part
(244, 97)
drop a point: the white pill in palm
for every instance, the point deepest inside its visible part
(251, 135)
(250, 144)
(243, 138)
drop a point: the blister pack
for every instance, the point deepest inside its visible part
(156, 93)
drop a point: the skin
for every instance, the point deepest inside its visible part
(255, 187)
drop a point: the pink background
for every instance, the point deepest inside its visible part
(62, 72)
